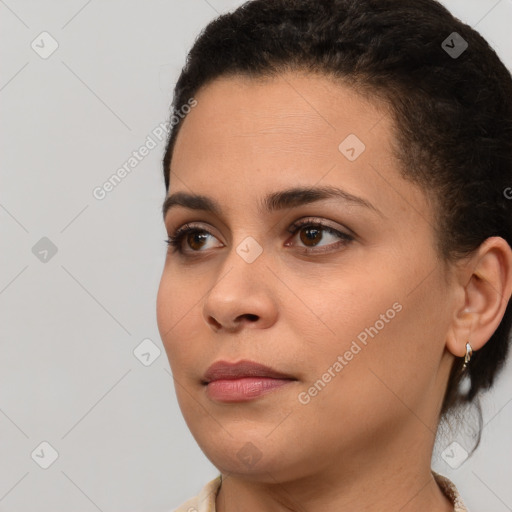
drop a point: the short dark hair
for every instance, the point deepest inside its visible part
(452, 113)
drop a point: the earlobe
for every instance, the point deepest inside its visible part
(487, 290)
(460, 333)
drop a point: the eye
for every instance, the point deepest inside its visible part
(311, 232)
(194, 236)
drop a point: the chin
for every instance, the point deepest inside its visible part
(250, 454)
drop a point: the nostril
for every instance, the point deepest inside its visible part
(216, 324)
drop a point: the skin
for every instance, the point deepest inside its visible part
(365, 440)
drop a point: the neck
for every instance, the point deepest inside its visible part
(390, 477)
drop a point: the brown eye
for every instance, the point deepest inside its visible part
(196, 239)
(312, 233)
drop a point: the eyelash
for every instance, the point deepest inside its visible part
(175, 241)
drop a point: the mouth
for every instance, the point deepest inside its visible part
(242, 381)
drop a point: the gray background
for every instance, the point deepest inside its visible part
(70, 321)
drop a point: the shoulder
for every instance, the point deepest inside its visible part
(205, 500)
(449, 489)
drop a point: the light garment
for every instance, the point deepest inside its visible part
(205, 500)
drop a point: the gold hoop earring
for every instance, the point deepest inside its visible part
(467, 357)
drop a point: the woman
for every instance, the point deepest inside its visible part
(339, 264)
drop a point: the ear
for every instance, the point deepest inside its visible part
(485, 288)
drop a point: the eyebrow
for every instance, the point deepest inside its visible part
(290, 198)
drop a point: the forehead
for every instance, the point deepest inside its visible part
(248, 137)
(295, 108)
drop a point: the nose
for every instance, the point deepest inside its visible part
(241, 296)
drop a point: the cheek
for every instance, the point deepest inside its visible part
(356, 305)
(178, 293)
(171, 306)
(377, 381)
(178, 318)
(390, 335)
(165, 306)
(397, 366)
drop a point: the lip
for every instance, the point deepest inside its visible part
(224, 370)
(242, 381)
(243, 389)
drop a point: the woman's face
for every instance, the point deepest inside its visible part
(354, 304)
